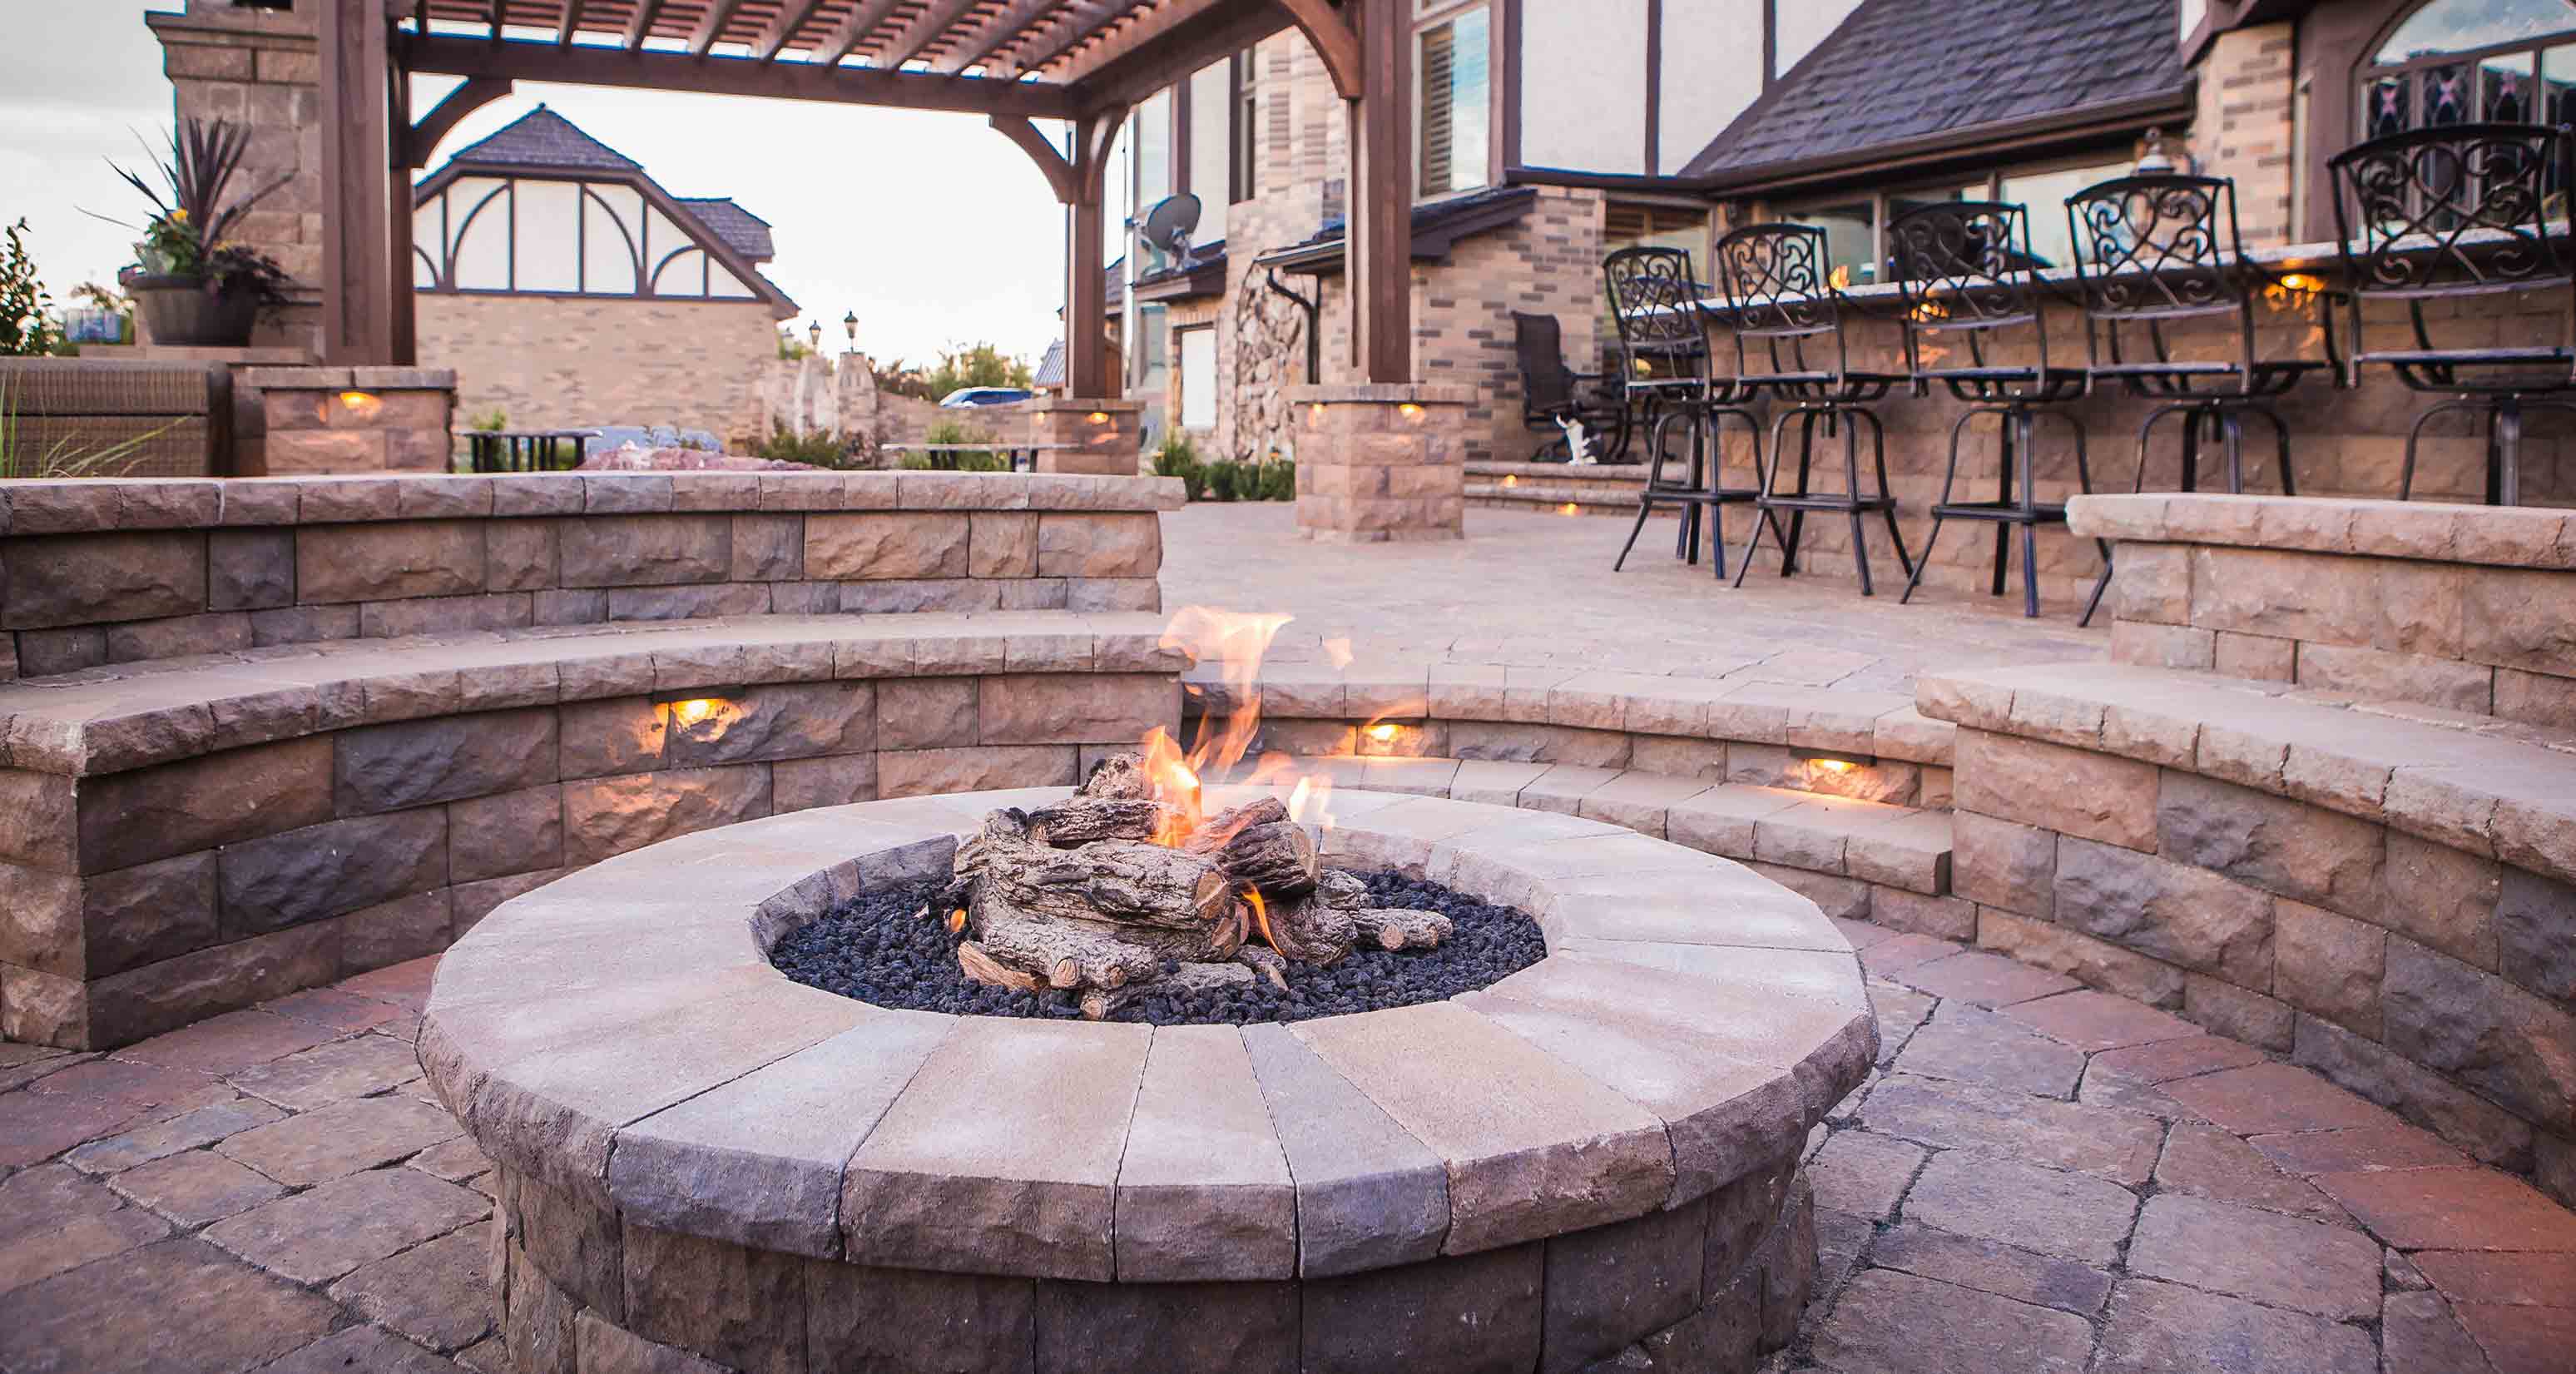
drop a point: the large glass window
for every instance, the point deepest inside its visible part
(1856, 226)
(1454, 76)
(1243, 175)
(2456, 61)
(1198, 378)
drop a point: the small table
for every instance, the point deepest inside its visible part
(524, 450)
(1023, 457)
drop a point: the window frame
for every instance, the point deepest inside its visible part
(1429, 15)
(2370, 71)
(1990, 182)
(1243, 151)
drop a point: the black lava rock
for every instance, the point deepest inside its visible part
(872, 949)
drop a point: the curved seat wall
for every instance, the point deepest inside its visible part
(247, 782)
(2385, 894)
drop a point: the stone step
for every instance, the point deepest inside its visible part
(1563, 488)
(1849, 856)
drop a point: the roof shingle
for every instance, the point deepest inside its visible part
(542, 138)
(742, 231)
(1904, 69)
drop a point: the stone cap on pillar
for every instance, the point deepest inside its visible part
(1381, 393)
(348, 378)
(1087, 405)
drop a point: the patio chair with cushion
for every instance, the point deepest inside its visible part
(1964, 265)
(1784, 308)
(1665, 367)
(1559, 401)
(2452, 214)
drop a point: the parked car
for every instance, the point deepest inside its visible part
(969, 396)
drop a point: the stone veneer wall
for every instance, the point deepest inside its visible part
(570, 362)
(110, 572)
(2460, 607)
(180, 839)
(349, 420)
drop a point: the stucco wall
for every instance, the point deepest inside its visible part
(553, 362)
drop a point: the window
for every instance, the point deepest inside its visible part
(2454, 61)
(1153, 144)
(1453, 73)
(549, 236)
(1243, 169)
(1856, 226)
(1198, 378)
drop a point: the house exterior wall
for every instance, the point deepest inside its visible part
(1583, 70)
(567, 362)
(2246, 128)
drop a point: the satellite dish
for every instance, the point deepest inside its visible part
(1170, 223)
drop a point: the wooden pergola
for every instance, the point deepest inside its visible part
(1081, 62)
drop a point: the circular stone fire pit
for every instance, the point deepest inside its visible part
(1595, 1158)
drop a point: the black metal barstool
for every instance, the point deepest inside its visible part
(1966, 269)
(2455, 212)
(1781, 300)
(2154, 249)
(1664, 354)
(1556, 397)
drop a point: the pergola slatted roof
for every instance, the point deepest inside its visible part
(1084, 62)
(1006, 39)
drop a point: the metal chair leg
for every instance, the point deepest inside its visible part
(1851, 488)
(2003, 492)
(1949, 479)
(2030, 521)
(1878, 455)
(2281, 432)
(1646, 498)
(1766, 482)
(1806, 477)
(2415, 431)
(2504, 459)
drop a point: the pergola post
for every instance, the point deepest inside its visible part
(358, 157)
(1098, 432)
(1379, 239)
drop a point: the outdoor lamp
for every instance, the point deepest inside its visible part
(850, 324)
(815, 333)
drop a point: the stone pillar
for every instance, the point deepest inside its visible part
(259, 69)
(344, 421)
(1108, 434)
(1381, 462)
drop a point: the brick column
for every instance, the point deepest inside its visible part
(344, 421)
(1381, 462)
(2246, 127)
(1109, 433)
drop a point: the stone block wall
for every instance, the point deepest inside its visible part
(1379, 463)
(102, 573)
(144, 899)
(2246, 128)
(2429, 978)
(569, 362)
(2459, 607)
(406, 700)
(317, 421)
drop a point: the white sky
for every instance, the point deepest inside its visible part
(932, 227)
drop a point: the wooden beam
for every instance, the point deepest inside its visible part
(357, 177)
(640, 24)
(570, 22)
(854, 26)
(1086, 291)
(791, 17)
(1064, 34)
(1167, 47)
(720, 75)
(1380, 237)
(711, 25)
(421, 140)
(1334, 41)
(1001, 28)
(1051, 163)
(925, 29)
(403, 317)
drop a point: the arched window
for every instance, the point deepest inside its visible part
(2458, 61)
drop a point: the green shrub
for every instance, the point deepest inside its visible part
(969, 460)
(818, 449)
(1225, 481)
(1279, 480)
(492, 421)
(1178, 458)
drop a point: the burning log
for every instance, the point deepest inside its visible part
(1099, 916)
(1394, 928)
(1309, 930)
(1099, 1004)
(1077, 821)
(1263, 960)
(980, 967)
(1120, 777)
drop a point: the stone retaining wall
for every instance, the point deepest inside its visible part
(140, 900)
(2393, 945)
(2461, 607)
(1760, 733)
(105, 572)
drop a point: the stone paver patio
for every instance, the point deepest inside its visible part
(1538, 590)
(2037, 1178)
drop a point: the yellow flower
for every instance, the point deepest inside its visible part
(179, 215)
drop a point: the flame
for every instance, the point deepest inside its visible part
(1840, 278)
(957, 920)
(1260, 914)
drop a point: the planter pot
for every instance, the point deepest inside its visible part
(180, 311)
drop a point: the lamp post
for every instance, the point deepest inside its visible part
(850, 324)
(814, 332)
